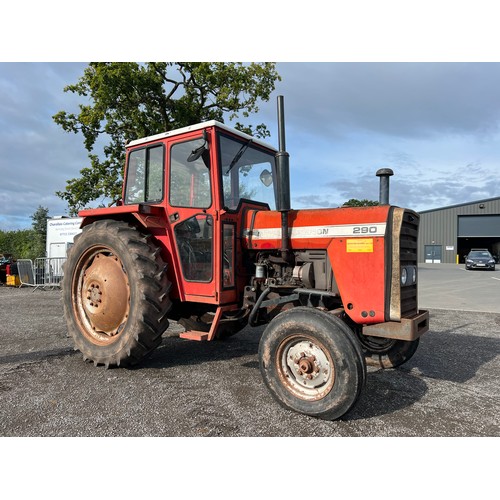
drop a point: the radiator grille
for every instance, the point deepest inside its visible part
(408, 245)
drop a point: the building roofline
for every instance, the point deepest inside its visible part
(460, 205)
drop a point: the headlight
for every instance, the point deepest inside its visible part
(404, 276)
(469, 261)
(492, 261)
(408, 275)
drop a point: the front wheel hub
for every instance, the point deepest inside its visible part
(306, 369)
(307, 366)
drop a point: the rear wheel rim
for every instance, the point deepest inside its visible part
(305, 367)
(102, 295)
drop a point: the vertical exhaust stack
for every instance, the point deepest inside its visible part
(283, 174)
(384, 174)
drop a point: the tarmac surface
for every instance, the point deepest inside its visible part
(196, 389)
(450, 286)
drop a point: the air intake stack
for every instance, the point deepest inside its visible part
(384, 174)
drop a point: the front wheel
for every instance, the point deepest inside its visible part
(386, 353)
(115, 294)
(311, 363)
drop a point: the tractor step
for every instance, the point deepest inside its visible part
(194, 335)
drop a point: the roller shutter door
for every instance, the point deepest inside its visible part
(479, 226)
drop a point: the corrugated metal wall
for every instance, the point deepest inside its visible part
(440, 226)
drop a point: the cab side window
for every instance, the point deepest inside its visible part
(145, 175)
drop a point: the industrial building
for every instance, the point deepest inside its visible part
(447, 234)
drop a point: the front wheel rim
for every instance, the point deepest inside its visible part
(305, 367)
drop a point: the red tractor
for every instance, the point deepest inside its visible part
(204, 235)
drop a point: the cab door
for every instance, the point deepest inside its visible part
(191, 210)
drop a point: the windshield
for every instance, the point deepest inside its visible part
(247, 172)
(479, 254)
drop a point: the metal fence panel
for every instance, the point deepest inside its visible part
(44, 272)
(25, 271)
(49, 272)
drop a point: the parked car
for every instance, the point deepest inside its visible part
(479, 258)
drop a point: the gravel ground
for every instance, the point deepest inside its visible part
(190, 389)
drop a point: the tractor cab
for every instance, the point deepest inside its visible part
(202, 166)
(201, 179)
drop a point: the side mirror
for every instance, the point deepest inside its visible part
(196, 153)
(266, 177)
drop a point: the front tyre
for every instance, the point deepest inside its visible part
(311, 363)
(386, 353)
(115, 294)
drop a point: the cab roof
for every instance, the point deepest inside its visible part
(199, 126)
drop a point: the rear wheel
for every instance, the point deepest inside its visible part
(115, 294)
(386, 353)
(311, 363)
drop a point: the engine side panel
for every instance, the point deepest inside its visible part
(356, 243)
(359, 269)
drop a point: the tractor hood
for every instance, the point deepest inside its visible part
(314, 228)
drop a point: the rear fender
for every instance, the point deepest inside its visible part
(149, 220)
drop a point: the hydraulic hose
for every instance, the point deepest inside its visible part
(256, 307)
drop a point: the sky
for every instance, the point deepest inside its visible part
(436, 125)
(367, 85)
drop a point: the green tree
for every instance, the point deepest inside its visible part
(39, 225)
(27, 243)
(21, 244)
(126, 101)
(353, 202)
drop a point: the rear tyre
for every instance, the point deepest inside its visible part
(115, 294)
(311, 363)
(386, 353)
